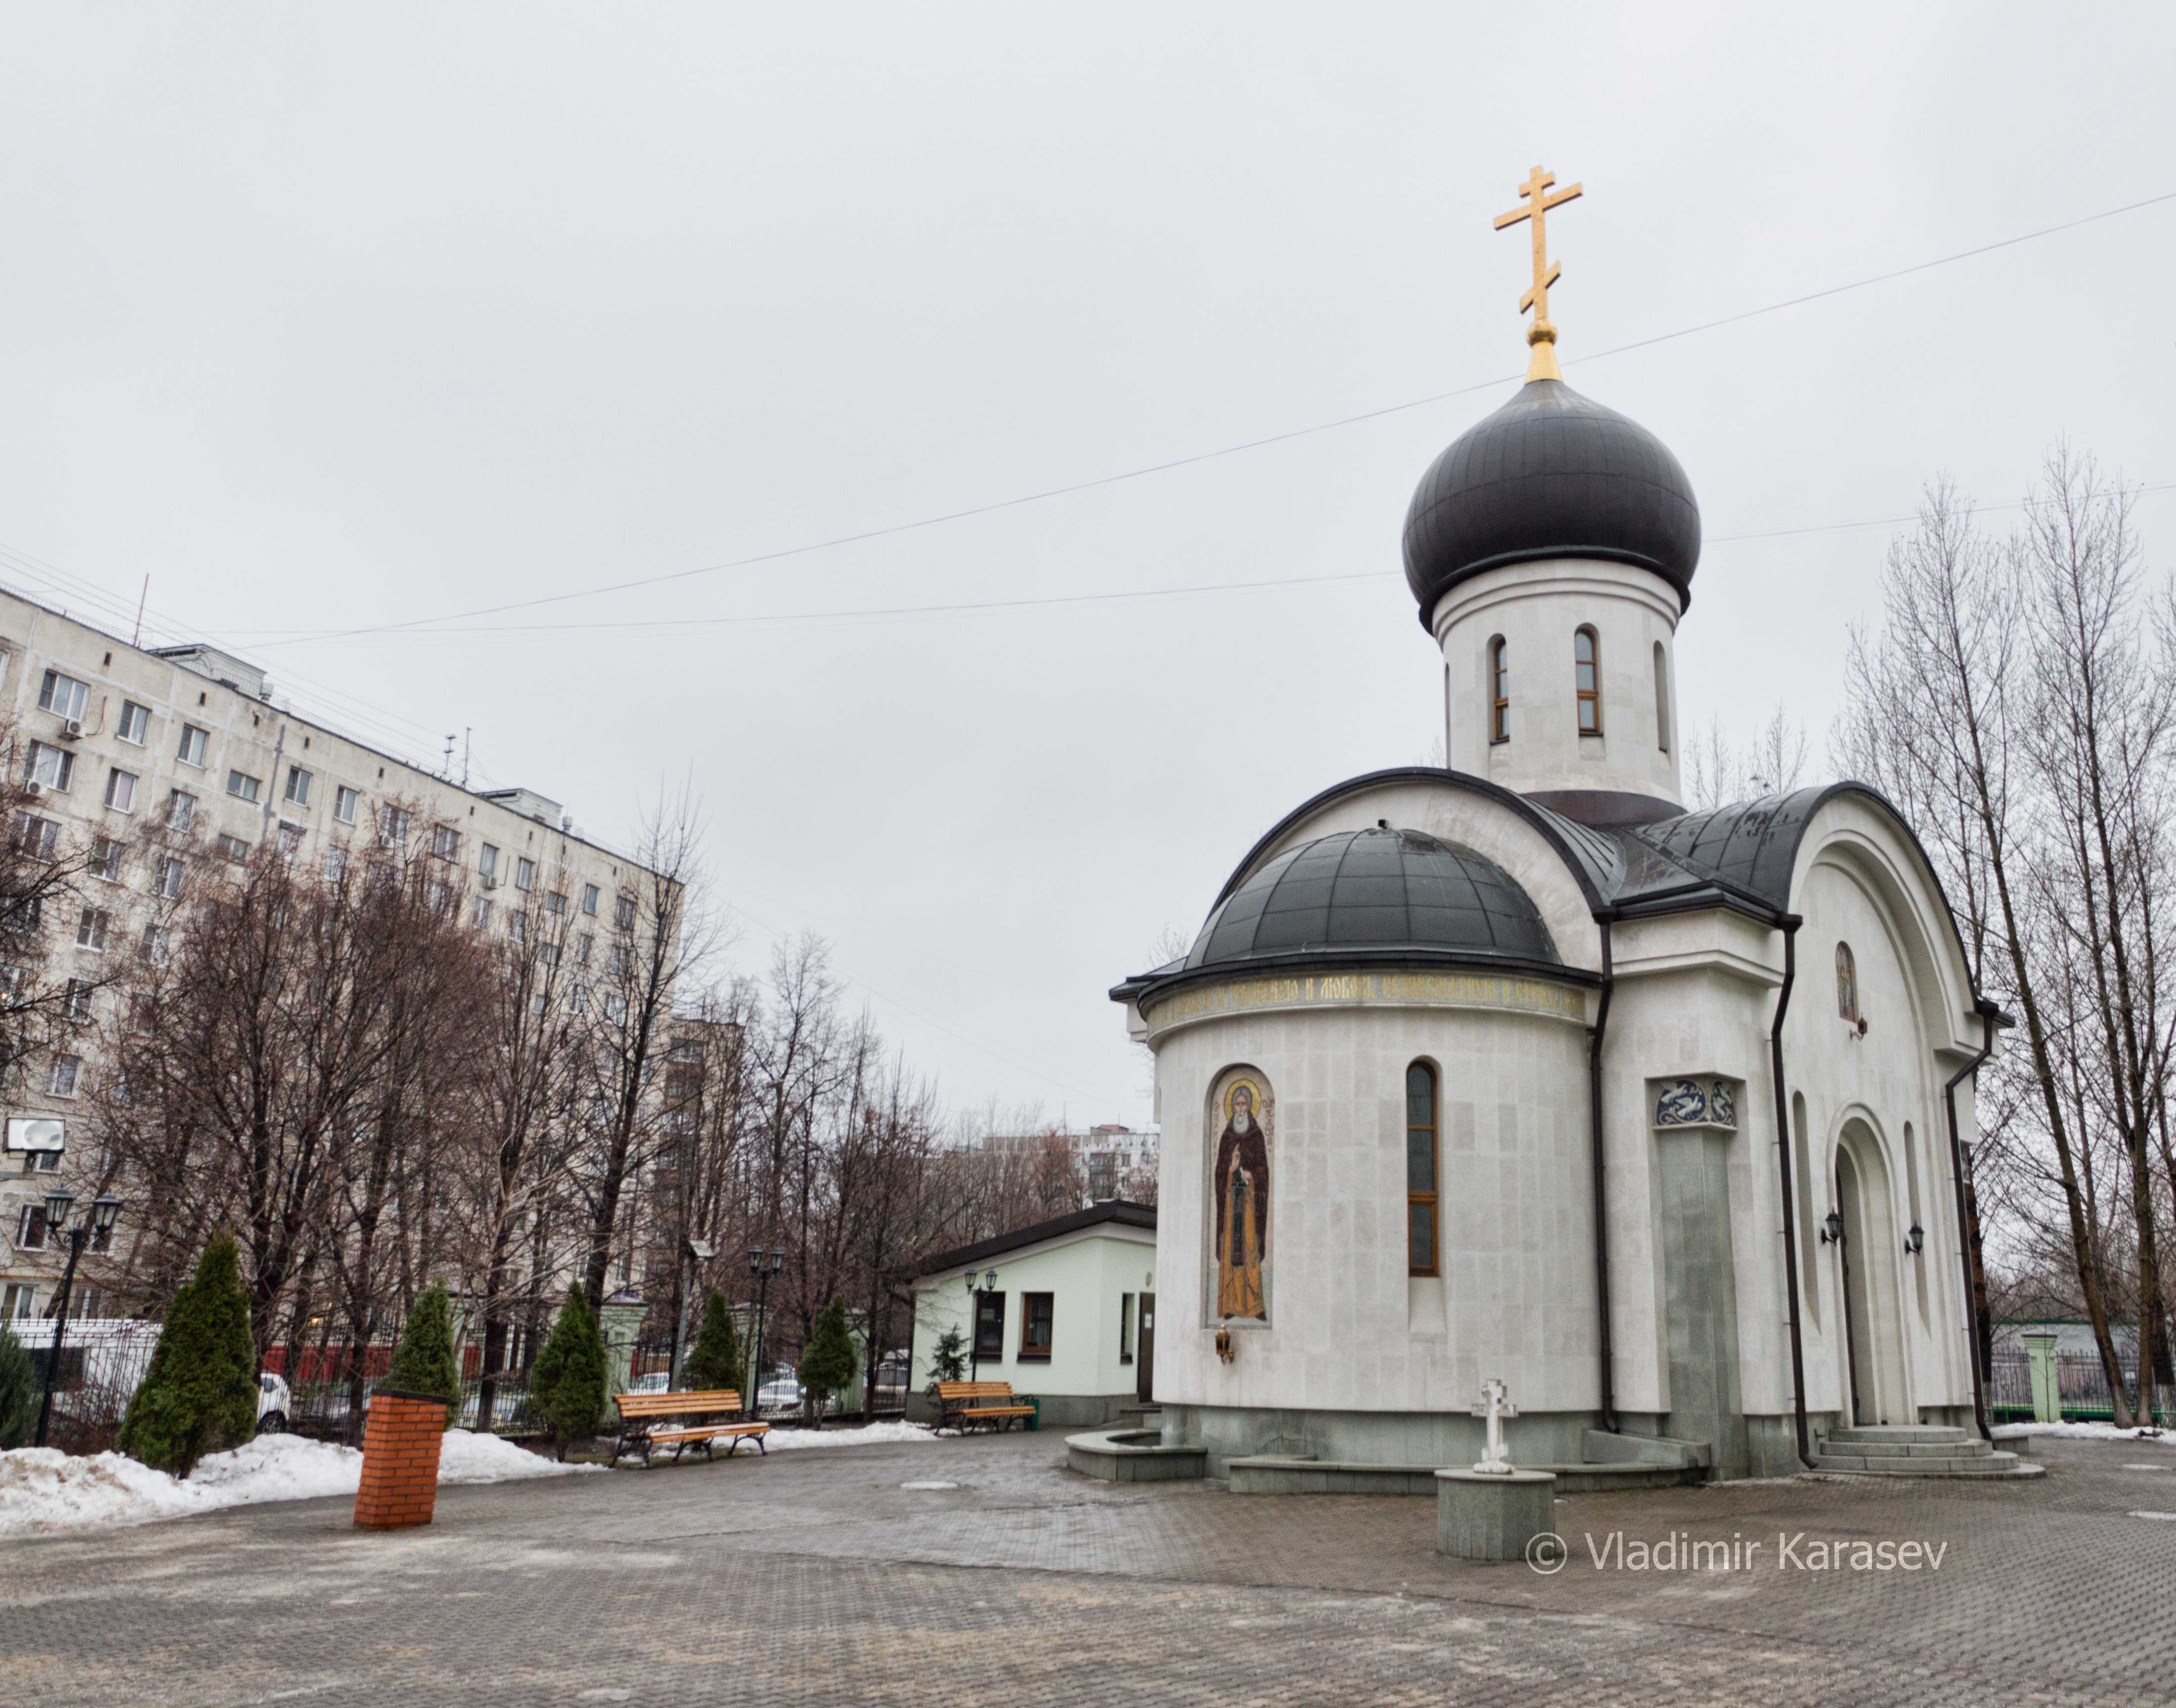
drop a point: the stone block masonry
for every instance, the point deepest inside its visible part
(400, 1444)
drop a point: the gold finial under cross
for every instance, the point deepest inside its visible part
(1542, 335)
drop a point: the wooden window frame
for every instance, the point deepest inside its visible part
(1499, 692)
(1589, 694)
(1030, 1353)
(1432, 1198)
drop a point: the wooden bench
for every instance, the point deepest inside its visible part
(994, 1404)
(701, 1418)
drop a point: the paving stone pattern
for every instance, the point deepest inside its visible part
(813, 1577)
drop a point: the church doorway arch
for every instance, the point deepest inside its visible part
(1874, 1385)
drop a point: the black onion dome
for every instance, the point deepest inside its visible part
(1550, 475)
(1380, 894)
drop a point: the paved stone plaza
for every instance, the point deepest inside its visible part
(815, 1577)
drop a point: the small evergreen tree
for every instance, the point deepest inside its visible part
(827, 1362)
(948, 1361)
(567, 1388)
(423, 1363)
(199, 1394)
(714, 1360)
(20, 1390)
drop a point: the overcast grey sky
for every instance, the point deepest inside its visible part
(329, 318)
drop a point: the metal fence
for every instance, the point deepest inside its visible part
(328, 1391)
(102, 1361)
(2080, 1381)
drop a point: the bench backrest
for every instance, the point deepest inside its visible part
(974, 1390)
(678, 1405)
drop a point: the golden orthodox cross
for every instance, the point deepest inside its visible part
(1542, 335)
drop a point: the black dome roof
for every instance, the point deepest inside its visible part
(1382, 895)
(1550, 475)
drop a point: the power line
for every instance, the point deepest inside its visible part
(1055, 600)
(1199, 457)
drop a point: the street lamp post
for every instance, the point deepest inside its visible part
(762, 1265)
(59, 1202)
(692, 1251)
(975, 1320)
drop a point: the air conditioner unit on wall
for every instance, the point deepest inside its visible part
(72, 729)
(33, 788)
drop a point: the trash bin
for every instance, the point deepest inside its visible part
(1035, 1417)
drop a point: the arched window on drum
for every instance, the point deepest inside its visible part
(1847, 983)
(1422, 1233)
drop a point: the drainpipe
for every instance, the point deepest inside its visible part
(1594, 1038)
(1964, 1243)
(1790, 924)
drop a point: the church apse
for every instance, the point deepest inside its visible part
(1242, 1114)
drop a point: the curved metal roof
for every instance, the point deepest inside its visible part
(1551, 474)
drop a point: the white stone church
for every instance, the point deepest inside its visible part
(1519, 1070)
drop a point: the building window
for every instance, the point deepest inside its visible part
(590, 900)
(135, 724)
(38, 837)
(120, 791)
(30, 1229)
(243, 785)
(516, 926)
(63, 696)
(1420, 1170)
(524, 873)
(75, 1000)
(989, 1326)
(50, 767)
(487, 861)
(232, 847)
(298, 787)
(20, 1300)
(445, 842)
(61, 1082)
(1847, 982)
(154, 941)
(345, 802)
(623, 913)
(480, 915)
(181, 810)
(393, 823)
(1499, 691)
(90, 929)
(1036, 1312)
(1125, 1328)
(1586, 672)
(168, 881)
(555, 903)
(335, 865)
(290, 840)
(1662, 698)
(106, 859)
(583, 945)
(191, 749)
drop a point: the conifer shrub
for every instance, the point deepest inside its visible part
(20, 1390)
(566, 1387)
(199, 1393)
(714, 1360)
(423, 1363)
(827, 1362)
(948, 1360)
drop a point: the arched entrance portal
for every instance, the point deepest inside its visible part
(1873, 1327)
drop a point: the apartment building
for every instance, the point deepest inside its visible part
(190, 740)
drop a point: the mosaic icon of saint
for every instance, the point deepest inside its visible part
(1242, 1205)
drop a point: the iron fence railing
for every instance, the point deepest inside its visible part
(2080, 1382)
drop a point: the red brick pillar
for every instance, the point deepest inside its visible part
(400, 1444)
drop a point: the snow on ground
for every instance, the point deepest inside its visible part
(860, 1435)
(2082, 1432)
(43, 1490)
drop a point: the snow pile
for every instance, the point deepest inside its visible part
(43, 1490)
(2082, 1432)
(862, 1435)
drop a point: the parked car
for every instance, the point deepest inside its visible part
(272, 1403)
(656, 1382)
(781, 1393)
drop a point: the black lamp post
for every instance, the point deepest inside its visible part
(975, 1320)
(762, 1265)
(59, 1202)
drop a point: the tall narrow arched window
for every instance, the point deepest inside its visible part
(1421, 1232)
(1847, 982)
(1662, 698)
(1499, 693)
(1586, 656)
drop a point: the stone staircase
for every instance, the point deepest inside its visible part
(1916, 1449)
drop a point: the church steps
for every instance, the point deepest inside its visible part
(1914, 1449)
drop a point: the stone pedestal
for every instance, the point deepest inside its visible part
(619, 1321)
(400, 1444)
(1483, 1516)
(2047, 1391)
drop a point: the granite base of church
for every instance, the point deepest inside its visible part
(1492, 1515)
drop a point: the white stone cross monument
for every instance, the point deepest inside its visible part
(1495, 1405)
